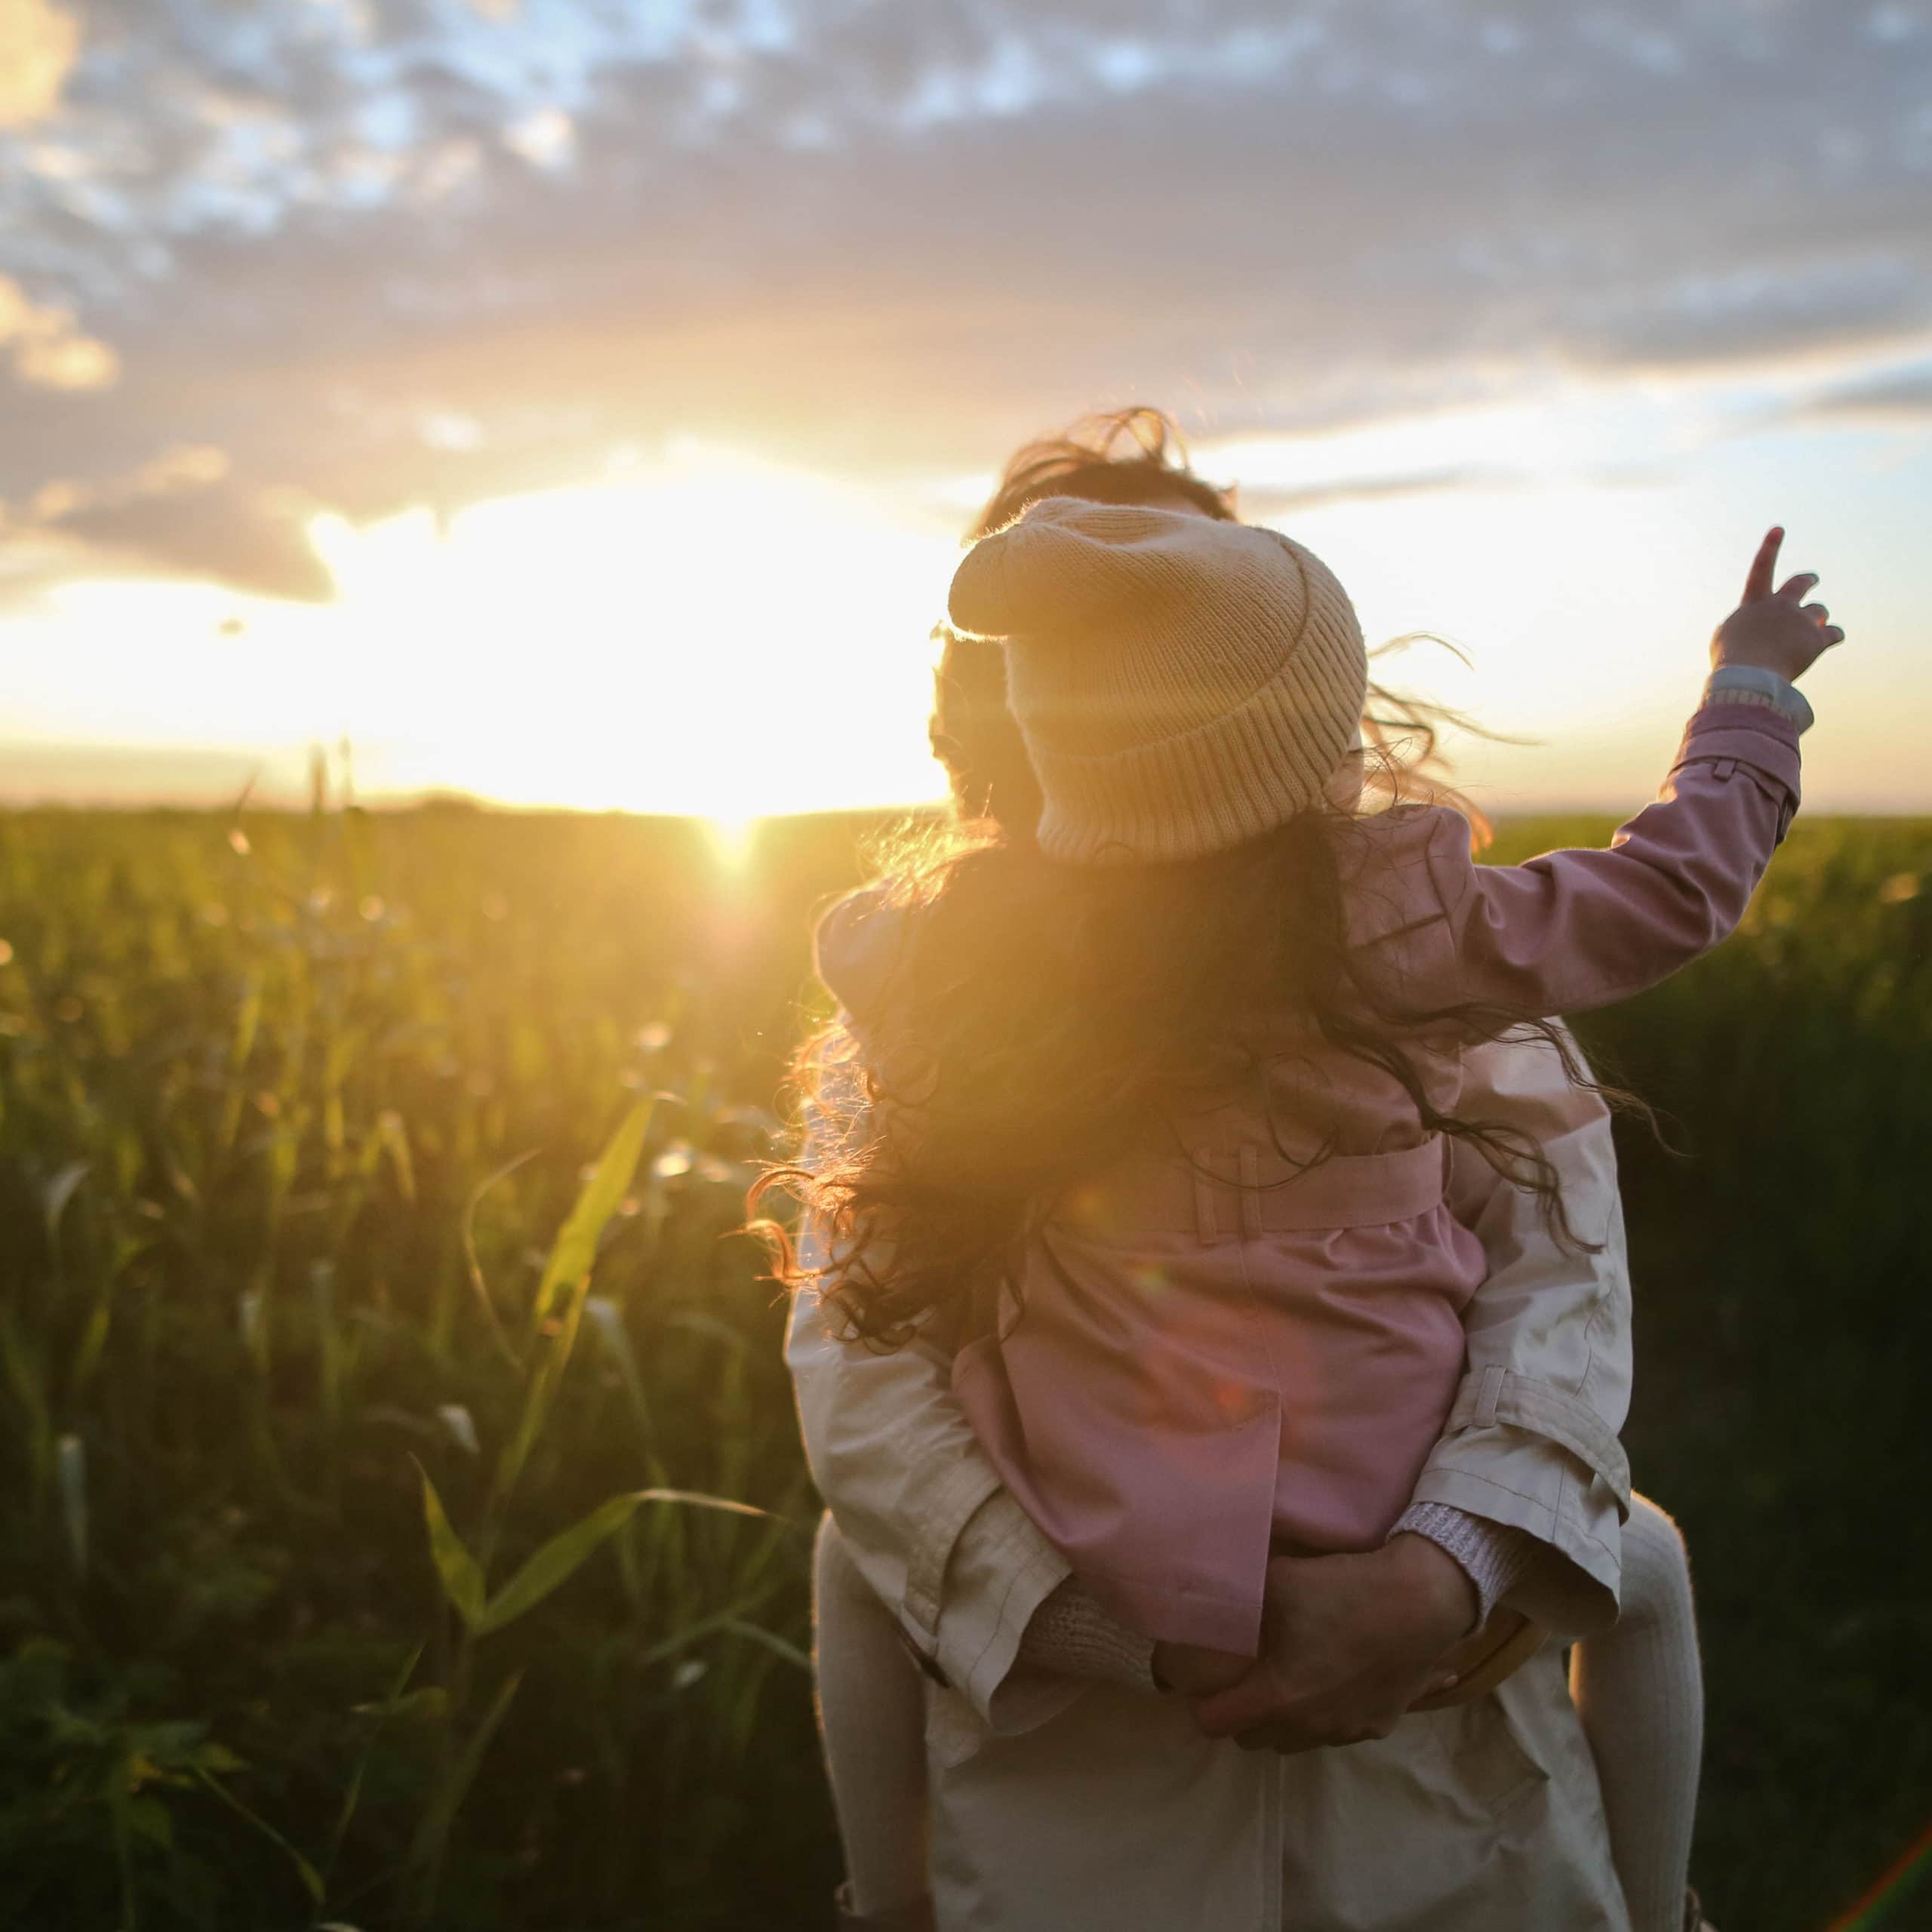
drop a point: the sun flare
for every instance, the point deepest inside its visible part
(707, 634)
(690, 639)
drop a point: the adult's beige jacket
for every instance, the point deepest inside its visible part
(1061, 1806)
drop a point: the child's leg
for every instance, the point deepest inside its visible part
(1639, 1689)
(871, 1719)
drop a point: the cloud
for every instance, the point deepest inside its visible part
(901, 238)
(181, 514)
(38, 45)
(253, 540)
(1896, 399)
(1732, 317)
(1263, 504)
(545, 139)
(46, 348)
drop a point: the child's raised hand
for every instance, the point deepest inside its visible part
(1773, 631)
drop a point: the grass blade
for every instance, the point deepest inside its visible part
(478, 1286)
(431, 1840)
(757, 1634)
(577, 1246)
(554, 1561)
(59, 1192)
(569, 1267)
(352, 1796)
(567, 1551)
(71, 1464)
(461, 1578)
(312, 1880)
(608, 1320)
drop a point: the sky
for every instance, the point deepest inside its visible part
(581, 404)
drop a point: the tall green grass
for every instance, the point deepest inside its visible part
(302, 1231)
(375, 1359)
(1781, 1257)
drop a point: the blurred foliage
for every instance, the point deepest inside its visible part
(357, 1166)
(1781, 1251)
(291, 1113)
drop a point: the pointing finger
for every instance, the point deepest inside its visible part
(1764, 566)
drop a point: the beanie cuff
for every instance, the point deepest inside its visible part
(1226, 781)
(1182, 685)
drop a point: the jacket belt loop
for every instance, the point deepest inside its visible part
(1207, 1226)
(1487, 1398)
(1250, 1195)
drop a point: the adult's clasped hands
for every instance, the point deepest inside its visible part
(1349, 1643)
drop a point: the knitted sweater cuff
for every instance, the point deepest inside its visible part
(1492, 1555)
(1752, 684)
(1070, 1633)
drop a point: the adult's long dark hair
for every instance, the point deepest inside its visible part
(1046, 1019)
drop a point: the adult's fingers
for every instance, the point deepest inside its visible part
(1796, 587)
(1283, 1739)
(1764, 567)
(1289, 1739)
(1816, 612)
(1254, 1702)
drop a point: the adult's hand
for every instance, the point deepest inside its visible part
(1348, 1643)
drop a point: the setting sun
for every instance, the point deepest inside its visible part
(701, 628)
(694, 635)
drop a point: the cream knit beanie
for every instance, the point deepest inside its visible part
(1181, 684)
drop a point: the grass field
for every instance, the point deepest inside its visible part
(310, 1128)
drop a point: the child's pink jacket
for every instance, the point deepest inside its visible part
(1210, 1351)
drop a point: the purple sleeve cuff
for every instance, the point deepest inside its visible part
(1758, 735)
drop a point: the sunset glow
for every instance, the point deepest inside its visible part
(582, 407)
(707, 632)
(709, 635)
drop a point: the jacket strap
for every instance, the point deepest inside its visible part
(954, 1495)
(1496, 1395)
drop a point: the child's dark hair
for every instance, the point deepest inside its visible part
(1047, 1019)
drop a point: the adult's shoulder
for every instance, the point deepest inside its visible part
(1529, 1076)
(857, 944)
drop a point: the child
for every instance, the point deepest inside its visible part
(1217, 1326)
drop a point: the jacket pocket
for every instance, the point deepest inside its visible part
(1488, 1757)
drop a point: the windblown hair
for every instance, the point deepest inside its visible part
(1044, 1018)
(1135, 456)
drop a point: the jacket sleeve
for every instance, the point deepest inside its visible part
(942, 1544)
(1578, 929)
(1531, 1442)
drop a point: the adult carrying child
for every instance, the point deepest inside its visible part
(1205, 1281)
